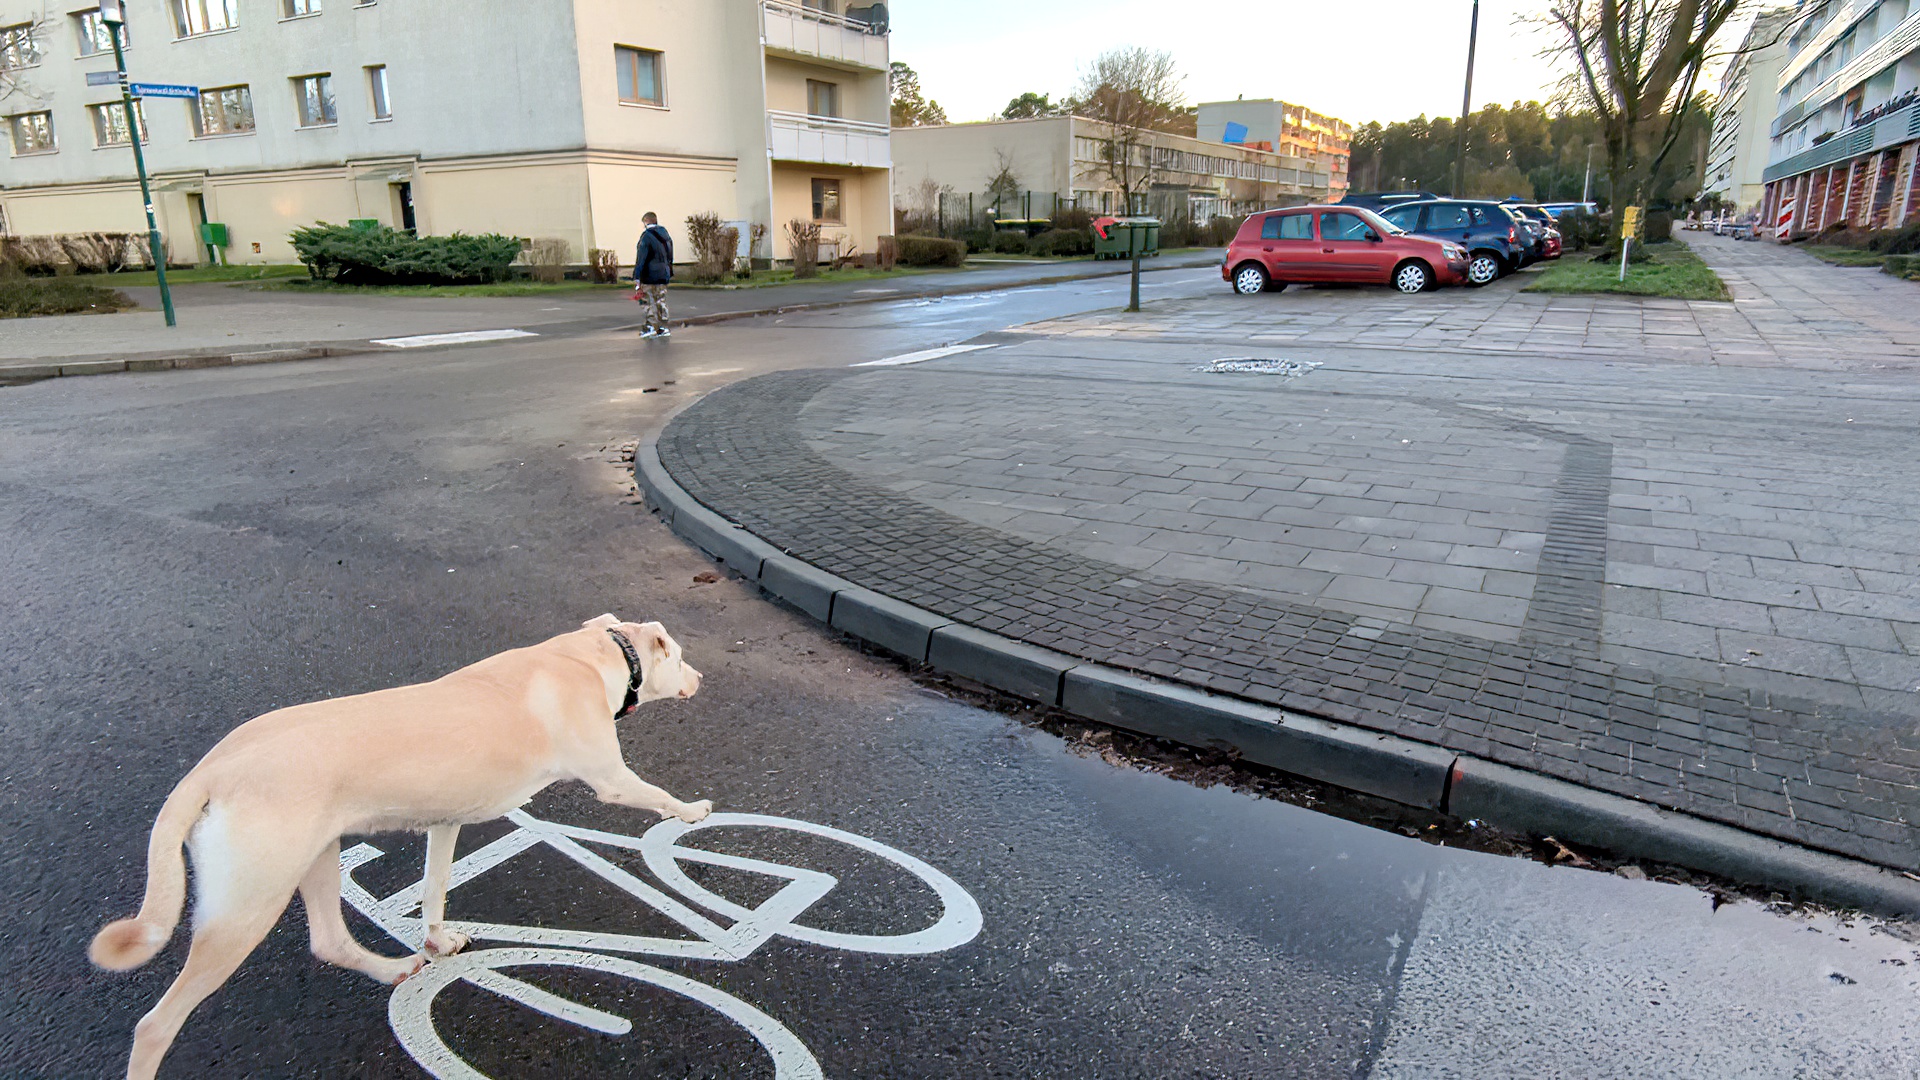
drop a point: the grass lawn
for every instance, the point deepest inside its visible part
(24, 298)
(1843, 256)
(195, 275)
(1675, 271)
(763, 278)
(304, 284)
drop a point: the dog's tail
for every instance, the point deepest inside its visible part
(129, 943)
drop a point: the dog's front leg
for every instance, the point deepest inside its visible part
(440, 941)
(619, 786)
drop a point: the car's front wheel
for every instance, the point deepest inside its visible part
(1412, 277)
(1482, 268)
(1251, 278)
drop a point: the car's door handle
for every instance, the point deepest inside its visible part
(1267, 248)
(1326, 251)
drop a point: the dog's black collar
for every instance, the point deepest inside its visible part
(634, 675)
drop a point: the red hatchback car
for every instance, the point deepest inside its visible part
(1311, 244)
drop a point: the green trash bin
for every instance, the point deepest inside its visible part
(1126, 236)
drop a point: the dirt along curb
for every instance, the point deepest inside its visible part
(1411, 773)
(13, 374)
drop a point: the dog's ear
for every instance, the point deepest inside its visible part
(601, 622)
(655, 636)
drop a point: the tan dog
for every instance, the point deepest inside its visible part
(264, 811)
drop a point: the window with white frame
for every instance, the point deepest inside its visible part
(377, 92)
(110, 123)
(94, 36)
(826, 201)
(224, 110)
(32, 133)
(641, 74)
(193, 17)
(296, 8)
(823, 98)
(19, 46)
(314, 96)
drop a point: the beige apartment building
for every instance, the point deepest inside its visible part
(533, 118)
(1285, 128)
(1064, 156)
(1743, 112)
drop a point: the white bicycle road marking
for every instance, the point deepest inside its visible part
(422, 340)
(410, 1009)
(922, 355)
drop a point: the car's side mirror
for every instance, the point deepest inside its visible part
(1373, 237)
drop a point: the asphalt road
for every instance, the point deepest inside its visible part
(184, 550)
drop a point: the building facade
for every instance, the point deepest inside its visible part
(1288, 129)
(1847, 118)
(1744, 111)
(533, 118)
(1065, 157)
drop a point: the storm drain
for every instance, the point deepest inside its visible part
(1259, 365)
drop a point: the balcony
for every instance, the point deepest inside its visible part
(828, 140)
(822, 37)
(1899, 126)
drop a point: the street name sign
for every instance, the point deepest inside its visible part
(163, 90)
(102, 78)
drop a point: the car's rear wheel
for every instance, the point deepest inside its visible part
(1249, 279)
(1482, 268)
(1412, 277)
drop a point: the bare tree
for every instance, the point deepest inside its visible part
(21, 46)
(1133, 92)
(1004, 185)
(1636, 64)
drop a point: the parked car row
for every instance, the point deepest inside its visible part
(1411, 240)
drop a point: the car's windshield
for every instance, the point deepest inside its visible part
(1382, 224)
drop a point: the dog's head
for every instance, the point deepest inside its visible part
(663, 673)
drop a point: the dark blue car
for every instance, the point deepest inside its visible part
(1496, 242)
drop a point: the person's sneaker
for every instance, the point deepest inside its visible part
(664, 332)
(648, 332)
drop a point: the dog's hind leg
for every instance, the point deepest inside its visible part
(327, 926)
(433, 897)
(241, 888)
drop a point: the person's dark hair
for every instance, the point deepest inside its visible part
(649, 219)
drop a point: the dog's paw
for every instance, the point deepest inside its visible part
(694, 811)
(444, 942)
(406, 967)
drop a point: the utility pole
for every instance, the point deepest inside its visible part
(115, 17)
(1466, 103)
(1586, 183)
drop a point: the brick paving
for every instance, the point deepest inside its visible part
(1693, 583)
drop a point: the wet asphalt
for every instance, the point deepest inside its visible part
(184, 550)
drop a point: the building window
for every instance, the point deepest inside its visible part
(110, 123)
(94, 36)
(823, 98)
(377, 91)
(641, 76)
(826, 201)
(192, 17)
(297, 8)
(18, 47)
(314, 94)
(224, 110)
(32, 133)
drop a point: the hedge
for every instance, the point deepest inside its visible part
(932, 251)
(1063, 242)
(21, 298)
(384, 256)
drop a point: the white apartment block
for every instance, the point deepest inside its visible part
(533, 118)
(1744, 111)
(1064, 156)
(1846, 127)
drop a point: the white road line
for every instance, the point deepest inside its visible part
(421, 340)
(917, 357)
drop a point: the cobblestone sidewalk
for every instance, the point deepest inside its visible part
(1695, 585)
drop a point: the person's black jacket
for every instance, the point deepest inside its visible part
(653, 258)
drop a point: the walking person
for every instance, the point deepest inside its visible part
(652, 269)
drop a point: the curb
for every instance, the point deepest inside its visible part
(106, 364)
(1401, 770)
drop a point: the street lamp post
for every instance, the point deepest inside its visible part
(1586, 182)
(115, 17)
(1466, 103)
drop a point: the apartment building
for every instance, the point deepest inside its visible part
(534, 118)
(1846, 122)
(1288, 129)
(1744, 111)
(1066, 156)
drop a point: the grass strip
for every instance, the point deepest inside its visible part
(25, 298)
(1674, 271)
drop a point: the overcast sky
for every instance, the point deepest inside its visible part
(1362, 60)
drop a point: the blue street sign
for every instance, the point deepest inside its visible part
(148, 89)
(102, 78)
